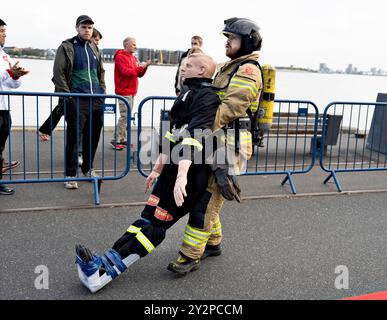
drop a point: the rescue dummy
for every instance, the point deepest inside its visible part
(181, 182)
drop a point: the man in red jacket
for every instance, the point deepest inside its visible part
(127, 70)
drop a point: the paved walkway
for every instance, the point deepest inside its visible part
(276, 245)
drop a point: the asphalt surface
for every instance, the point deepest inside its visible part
(276, 245)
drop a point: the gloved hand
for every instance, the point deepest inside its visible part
(151, 180)
(228, 185)
(179, 191)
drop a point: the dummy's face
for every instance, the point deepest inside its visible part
(2, 35)
(192, 68)
(85, 31)
(233, 45)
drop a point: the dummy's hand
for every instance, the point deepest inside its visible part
(179, 191)
(151, 180)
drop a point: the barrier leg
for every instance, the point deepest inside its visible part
(292, 185)
(97, 190)
(328, 178)
(334, 176)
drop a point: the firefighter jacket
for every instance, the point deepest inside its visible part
(237, 95)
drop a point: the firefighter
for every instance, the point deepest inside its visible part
(180, 182)
(239, 95)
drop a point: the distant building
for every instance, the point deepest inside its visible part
(350, 69)
(323, 68)
(165, 57)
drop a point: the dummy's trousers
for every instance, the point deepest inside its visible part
(161, 211)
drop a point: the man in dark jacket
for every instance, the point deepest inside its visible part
(181, 181)
(78, 68)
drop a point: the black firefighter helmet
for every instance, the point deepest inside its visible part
(248, 30)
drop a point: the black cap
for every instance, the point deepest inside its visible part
(83, 19)
(2, 23)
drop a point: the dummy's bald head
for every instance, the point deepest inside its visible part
(205, 65)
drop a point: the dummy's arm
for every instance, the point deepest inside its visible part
(179, 191)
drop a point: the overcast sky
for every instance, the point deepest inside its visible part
(295, 32)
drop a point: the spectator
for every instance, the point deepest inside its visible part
(10, 74)
(78, 68)
(52, 121)
(97, 36)
(196, 43)
(45, 131)
(127, 70)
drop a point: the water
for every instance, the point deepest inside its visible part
(159, 80)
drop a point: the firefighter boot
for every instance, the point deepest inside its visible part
(211, 251)
(184, 265)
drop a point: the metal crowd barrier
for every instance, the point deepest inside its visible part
(289, 146)
(42, 162)
(359, 138)
(150, 111)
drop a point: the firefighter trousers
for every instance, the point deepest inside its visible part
(197, 236)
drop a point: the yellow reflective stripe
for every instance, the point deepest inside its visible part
(133, 229)
(141, 238)
(254, 106)
(244, 138)
(196, 232)
(193, 242)
(192, 142)
(145, 242)
(245, 85)
(217, 225)
(221, 95)
(248, 83)
(169, 136)
(194, 237)
(216, 228)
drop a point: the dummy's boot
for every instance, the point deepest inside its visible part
(184, 265)
(95, 271)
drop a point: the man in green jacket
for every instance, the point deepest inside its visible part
(78, 68)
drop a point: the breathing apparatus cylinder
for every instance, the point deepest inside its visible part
(265, 110)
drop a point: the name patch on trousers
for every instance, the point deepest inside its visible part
(153, 201)
(163, 215)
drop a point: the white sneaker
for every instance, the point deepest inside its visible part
(71, 184)
(80, 160)
(91, 174)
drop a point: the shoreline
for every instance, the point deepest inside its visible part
(278, 68)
